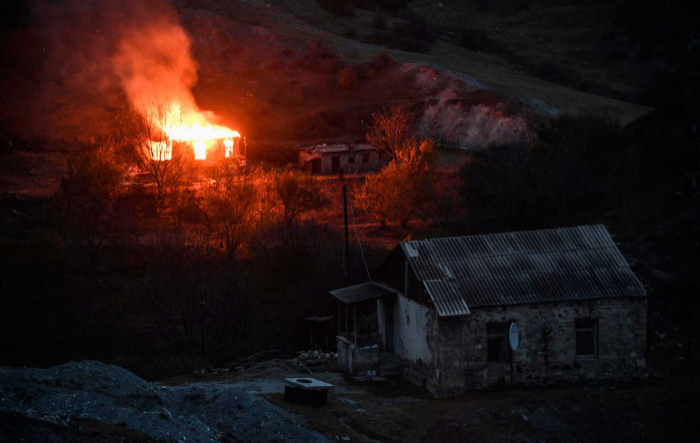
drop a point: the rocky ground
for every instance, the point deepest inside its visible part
(73, 393)
(93, 402)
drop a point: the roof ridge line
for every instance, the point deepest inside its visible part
(510, 232)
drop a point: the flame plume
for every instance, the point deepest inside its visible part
(154, 65)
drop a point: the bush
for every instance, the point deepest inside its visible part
(316, 50)
(347, 79)
(402, 189)
(88, 201)
(320, 59)
(562, 180)
(297, 193)
(382, 60)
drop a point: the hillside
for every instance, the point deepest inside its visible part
(271, 69)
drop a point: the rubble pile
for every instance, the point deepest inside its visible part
(113, 396)
(315, 358)
(245, 363)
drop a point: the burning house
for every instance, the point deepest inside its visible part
(330, 159)
(445, 307)
(229, 147)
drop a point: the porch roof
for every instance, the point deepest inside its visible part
(362, 292)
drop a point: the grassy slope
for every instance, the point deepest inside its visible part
(494, 71)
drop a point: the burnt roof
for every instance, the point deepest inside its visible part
(362, 292)
(551, 265)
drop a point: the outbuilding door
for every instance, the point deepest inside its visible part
(316, 166)
(335, 163)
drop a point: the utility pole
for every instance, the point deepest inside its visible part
(346, 249)
(245, 156)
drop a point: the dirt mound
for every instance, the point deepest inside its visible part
(113, 396)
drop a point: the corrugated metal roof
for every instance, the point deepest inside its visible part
(580, 263)
(364, 291)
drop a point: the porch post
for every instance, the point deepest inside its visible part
(354, 321)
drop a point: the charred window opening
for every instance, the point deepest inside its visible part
(586, 337)
(351, 160)
(497, 342)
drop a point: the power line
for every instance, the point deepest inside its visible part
(362, 251)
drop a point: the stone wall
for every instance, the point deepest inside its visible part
(462, 347)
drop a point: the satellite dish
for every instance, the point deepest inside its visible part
(513, 336)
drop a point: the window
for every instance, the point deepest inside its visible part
(497, 342)
(351, 160)
(365, 157)
(586, 337)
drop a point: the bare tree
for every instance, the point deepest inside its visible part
(390, 131)
(401, 189)
(230, 201)
(298, 193)
(87, 198)
(142, 135)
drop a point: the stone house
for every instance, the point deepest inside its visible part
(444, 307)
(329, 159)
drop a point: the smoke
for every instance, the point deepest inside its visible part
(103, 54)
(153, 63)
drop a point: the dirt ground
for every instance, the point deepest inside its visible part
(660, 408)
(92, 402)
(657, 409)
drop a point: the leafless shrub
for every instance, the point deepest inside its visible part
(87, 200)
(390, 131)
(347, 78)
(230, 201)
(137, 129)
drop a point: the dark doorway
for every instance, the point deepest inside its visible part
(316, 166)
(335, 164)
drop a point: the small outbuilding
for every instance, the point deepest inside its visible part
(331, 158)
(445, 306)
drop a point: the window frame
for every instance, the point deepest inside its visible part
(585, 325)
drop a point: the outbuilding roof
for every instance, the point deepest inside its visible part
(550, 265)
(336, 148)
(362, 292)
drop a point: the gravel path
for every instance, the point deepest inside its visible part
(114, 396)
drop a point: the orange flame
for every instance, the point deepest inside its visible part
(162, 151)
(154, 65)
